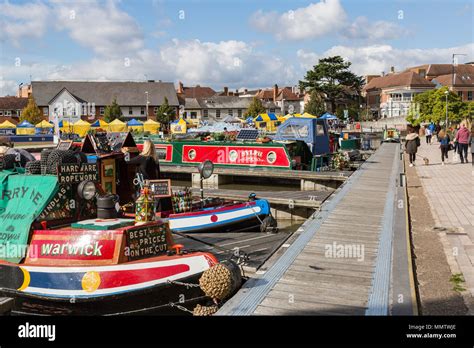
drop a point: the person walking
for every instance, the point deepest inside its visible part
(412, 142)
(462, 137)
(443, 139)
(437, 130)
(455, 138)
(147, 161)
(428, 134)
(472, 145)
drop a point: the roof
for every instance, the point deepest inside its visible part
(433, 70)
(287, 94)
(225, 102)
(103, 93)
(407, 78)
(198, 92)
(461, 80)
(265, 94)
(12, 103)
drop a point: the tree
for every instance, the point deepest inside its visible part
(165, 114)
(112, 112)
(315, 106)
(255, 108)
(332, 77)
(430, 106)
(31, 112)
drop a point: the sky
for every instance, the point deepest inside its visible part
(238, 44)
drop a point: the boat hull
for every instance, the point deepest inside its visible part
(232, 218)
(144, 287)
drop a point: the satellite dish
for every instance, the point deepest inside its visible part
(206, 169)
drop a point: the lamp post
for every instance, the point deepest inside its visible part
(147, 102)
(446, 125)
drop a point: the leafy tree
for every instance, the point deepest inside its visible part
(165, 114)
(315, 106)
(113, 112)
(255, 108)
(31, 112)
(332, 77)
(430, 106)
(354, 111)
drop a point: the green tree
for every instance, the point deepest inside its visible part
(332, 77)
(315, 106)
(430, 106)
(112, 112)
(255, 108)
(31, 112)
(165, 114)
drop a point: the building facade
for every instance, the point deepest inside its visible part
(11, 107)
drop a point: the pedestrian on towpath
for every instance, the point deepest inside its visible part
(412, 142)
(462, 136)
(443, 139)
(428, 134)
(472, 145)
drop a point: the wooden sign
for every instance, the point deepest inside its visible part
(64, 145)
(72, 173)
(146, 241)
(159, 188)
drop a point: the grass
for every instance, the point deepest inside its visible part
(457, 279)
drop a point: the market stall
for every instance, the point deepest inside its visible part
(99, 124)
(117, 126)
(269, 122)
(65, 126)
(81, 127)
(151, 126)
(135, 126)
(179, 126)
(7, 128)
(25, 128)
(44, 127)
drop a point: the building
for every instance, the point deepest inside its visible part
(217, 108)
(194, 92)
(10, 108)
(73, 100)
(287, 99)
(459, 77)
(391, 95)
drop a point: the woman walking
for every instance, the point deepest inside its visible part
(462, 137)
(443, 139)
(428, 135)
(411, 145)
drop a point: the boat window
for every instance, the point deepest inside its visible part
(295, 131)
(161, 153)
(319, 129)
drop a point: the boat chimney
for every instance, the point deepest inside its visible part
(275, 92)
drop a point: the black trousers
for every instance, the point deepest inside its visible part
(462, 150)
(428, 139)
(412, 157)
(444, 152)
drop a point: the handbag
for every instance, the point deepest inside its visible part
(450, 147)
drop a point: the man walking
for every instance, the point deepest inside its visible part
(462, 137)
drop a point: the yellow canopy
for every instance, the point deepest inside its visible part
(81, 127)
(67, 127)
(308, 115)
(179, 127)
(25, 131)
(7, 124)
(102, 124)
(151, 126)
(117, 126)
(44, 124)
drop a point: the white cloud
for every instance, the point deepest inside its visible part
(23, 20)
(8, 87)
(313, 21)
(102, 27)
(320, 19)
(374, 59)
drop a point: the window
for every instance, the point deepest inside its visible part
(218, 113)
(142, 110)
(272, 111)
(239, 113)
(206, 113)
(193, 115)
(8, 112)
(469, 95)
(130, 111)
(101, 110)
(155, 110)
(45, 111)
(460, 94)
(230, 112)
(1, 112)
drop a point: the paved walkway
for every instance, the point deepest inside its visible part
(450, 193)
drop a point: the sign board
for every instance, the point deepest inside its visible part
(346, 114)
(159, 188)
(73, 173)
(7, 131)
(146, 241)
(64, 145)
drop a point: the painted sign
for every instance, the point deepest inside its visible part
(64, 145)
(160, 188)
(63, 205)
(75, 247)
(236, 155)
(146, 241)
(72, 173)
(22, 199)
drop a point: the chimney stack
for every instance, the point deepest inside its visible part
(180, 87)
(392, 69)
(226, 91)
(275, 92)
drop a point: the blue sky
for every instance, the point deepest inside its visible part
(223, 43)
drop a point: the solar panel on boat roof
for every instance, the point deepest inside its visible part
(247, 134)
